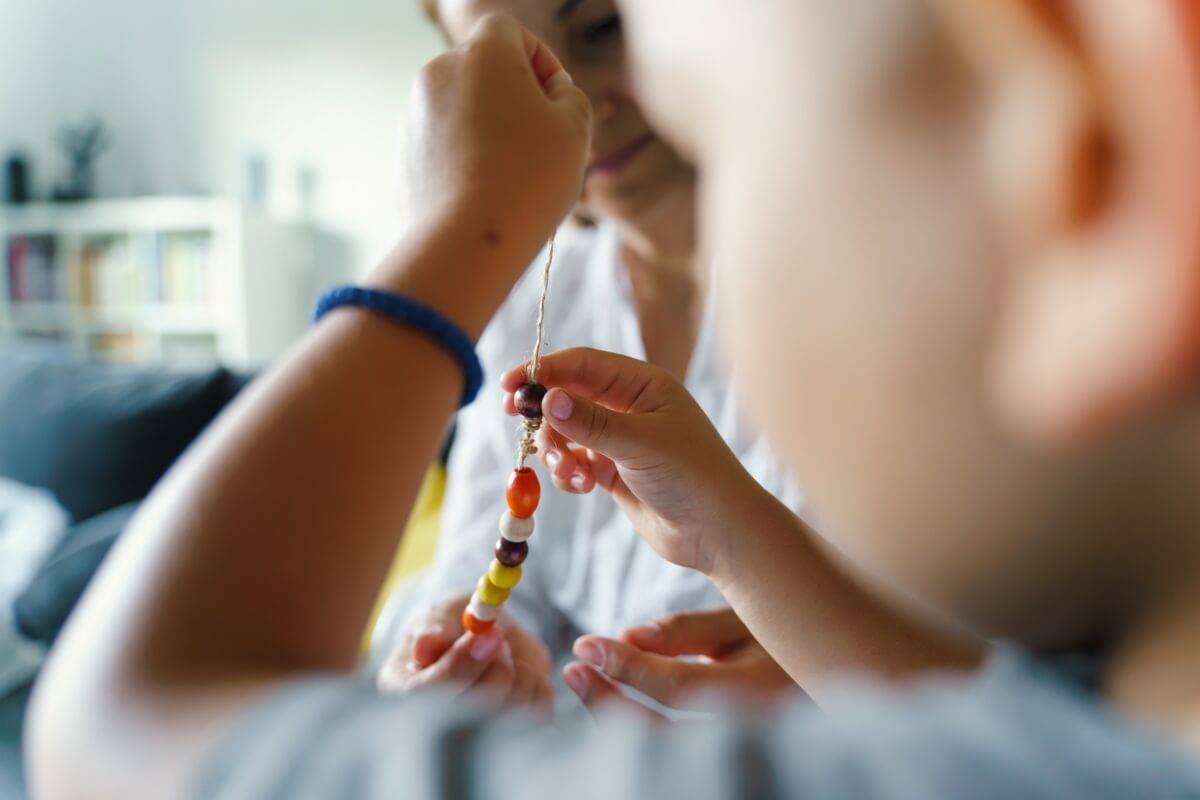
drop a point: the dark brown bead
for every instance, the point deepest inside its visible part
(528, 400)
(512, 554)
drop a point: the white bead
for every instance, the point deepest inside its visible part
(515, 529)
(481, 610)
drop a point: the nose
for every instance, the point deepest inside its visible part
(605, 107)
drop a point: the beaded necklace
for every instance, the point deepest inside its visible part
(523, 493)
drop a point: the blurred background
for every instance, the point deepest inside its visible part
(215, 163)
(179, 180)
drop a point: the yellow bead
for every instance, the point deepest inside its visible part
(490, 593)
(504, 577)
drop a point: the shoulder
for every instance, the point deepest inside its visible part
(1004, 734)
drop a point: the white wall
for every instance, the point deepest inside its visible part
(193, 88)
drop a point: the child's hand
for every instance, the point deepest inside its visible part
(735, 673)
(647, 442)
(499, 138)
(506, 667)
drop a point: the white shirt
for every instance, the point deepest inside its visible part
(588, 570)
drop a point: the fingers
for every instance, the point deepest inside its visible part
(547, 69)
(612, 433)
(465, 663)
(569, 467)
(504, 28)
(531, 690)
(496, 683)
(430, 643)
(617, 382)
(692, 633)
(664, 679)
(434, 633)
(599, 694)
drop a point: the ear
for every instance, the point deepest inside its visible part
(1094, 164)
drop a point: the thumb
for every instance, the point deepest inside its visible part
(569, 98)
(609, 433)
(431, 644)
(699, 633)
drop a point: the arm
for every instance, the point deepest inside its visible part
(655, 451)
(257, 558)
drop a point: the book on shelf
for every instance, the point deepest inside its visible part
(148, 269)
(32, 270)
(185, 273)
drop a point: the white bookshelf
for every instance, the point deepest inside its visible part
(180, 281)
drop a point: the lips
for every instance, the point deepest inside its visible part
(622, 157)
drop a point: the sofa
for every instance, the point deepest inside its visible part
(98, 437)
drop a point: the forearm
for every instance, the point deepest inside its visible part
(813, 619)
(269, 541)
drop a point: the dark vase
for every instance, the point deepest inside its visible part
(16, 181)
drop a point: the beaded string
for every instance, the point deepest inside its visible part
(527, 445)
(523, 493)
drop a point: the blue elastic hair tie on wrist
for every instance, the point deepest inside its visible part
(414, 314)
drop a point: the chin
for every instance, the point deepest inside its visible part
(642, 185)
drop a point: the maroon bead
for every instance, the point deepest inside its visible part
(528, 400)
(512, 554)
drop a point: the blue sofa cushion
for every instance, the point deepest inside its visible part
(99, 436)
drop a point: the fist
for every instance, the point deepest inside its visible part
(498, 137)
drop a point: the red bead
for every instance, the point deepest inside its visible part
(528, 400)
(524, 493)
(511, 554)
(476, 626)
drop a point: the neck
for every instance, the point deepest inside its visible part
(1154, 676)
(1153, 673)
(662, 239)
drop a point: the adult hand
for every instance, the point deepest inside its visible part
(506, 666)
(734, 671)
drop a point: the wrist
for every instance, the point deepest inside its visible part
(459, 267)
(761, 525)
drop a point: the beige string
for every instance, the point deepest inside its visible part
(527, 446)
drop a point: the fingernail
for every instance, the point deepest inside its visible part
(553, 459)
(590, 652)
(560, 406)
(562, 77)
(430, 629)
(577, 483)
(485, 645)
(575, 679)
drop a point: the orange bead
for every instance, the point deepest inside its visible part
(476, 626)
(524, 493)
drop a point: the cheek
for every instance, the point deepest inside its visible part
(857, 321)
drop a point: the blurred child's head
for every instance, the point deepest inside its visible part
(632, 168)
(961, 277)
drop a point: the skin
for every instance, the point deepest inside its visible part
(652, 202)
(1001, 375)
(192, 616)
(651, 198)
(926, 394)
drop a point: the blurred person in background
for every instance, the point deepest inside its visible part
(629, 280)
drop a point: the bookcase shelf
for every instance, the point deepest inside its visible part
(156, 280)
